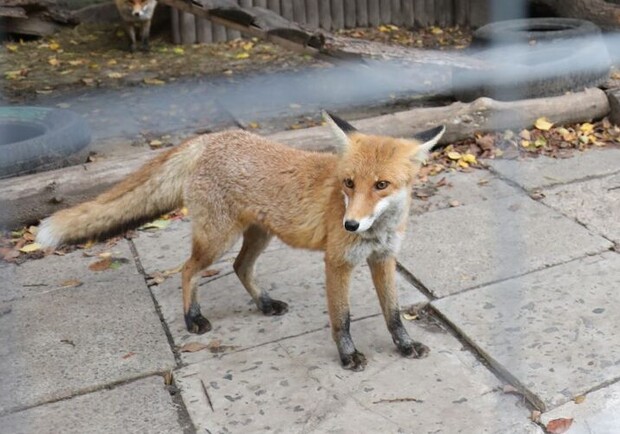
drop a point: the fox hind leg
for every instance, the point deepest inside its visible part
(144, 35)
(206, 248)
(255, 240)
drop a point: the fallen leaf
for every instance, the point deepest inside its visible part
(454, 155)
(192, 347)
(54, 46)
(53, 61)
(509, 388)
(30, 248)
(172, 271)
(101, 265)
(586, 127)
(242, 56)
(210, 272)
(116, 75)
(128, 355)
(454, 203)
(559, 426)
(579, 399)
(71, 283)
(154, 81)
(178, 50)
(469, 158)
(410, 317)
(543, 124)
(535, 416)
(156, 224)
(11, 47)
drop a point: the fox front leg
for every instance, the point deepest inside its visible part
(144, 35)
(383, 271)
(337, 289)
(131, 34)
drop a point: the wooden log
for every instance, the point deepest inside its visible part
(219, 33)
(408, 13)
(299, 11)
(461, 13)
(361, 13)
(26, 199)
(204, 31)
(312, 13)
(443, 12)
(397, 15)
(325, 14)
(260, 3)
(232, 34)
(286, 10)
(385, 12)
(420, 13)
(350, 14)
(429, 7)
(337, 14)
(614, 104)
(187, 25)
(478, 12)
(174, 27)
(374, 13)
(274, 5)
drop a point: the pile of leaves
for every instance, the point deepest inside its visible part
(96, 56)
(431, 37)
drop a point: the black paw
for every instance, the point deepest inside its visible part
(145, 48)
(197, 324)
(273, 307)
(415, 350)
(354, 362)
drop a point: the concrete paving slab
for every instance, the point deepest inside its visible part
(71, 340)
(294, 276)
(464, 188)
(143, 406)
(297, 385)
(545, 172)
(553, 331)
(595, 203)
(459, 248)
(598, 414)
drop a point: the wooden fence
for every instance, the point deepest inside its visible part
(339, 14)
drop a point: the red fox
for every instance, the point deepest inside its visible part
(137, 14)
(353, 206)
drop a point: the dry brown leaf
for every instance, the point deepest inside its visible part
(101, 265)
(128, 355)
(30, 248)
(535, 416)
(559, 426)
(192, 347)
(71, 283)
(210, 272)
(579, 399)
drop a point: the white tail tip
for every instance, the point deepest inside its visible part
(46, 235)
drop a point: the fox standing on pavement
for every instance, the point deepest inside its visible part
(353, 206)
(137, 14)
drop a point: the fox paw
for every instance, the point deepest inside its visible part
(197, 324)
(415, 350)
(272, 307)
(355, 361)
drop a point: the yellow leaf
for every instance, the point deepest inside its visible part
(184, 211)
(463, 164)
(30, 248)
(156, 224)
(76, 62)
(436, 31)
(178, 50)
(454, 155)
(115, 75)
(242, 56)
(586, 127)
(248, 46)
(525, 143)
(54, 46)
(11, 47)
(543, 124)
(154, 81)
(579, 399)
(392, 27)
(541, 141)
(71, 283)
(53, 61)
(254, 125)
(525, 135)
(384, 29)
(89, 244)
(112, 62)
(469, 158)
(566, 135)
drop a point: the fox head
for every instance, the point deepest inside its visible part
(139, 8)
(377, 172)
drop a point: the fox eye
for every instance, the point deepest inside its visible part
(381, 185)
(348, 182)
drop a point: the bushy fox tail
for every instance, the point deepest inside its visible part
(153, 190)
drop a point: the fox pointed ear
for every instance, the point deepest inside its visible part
(429, 139)
(340, 128)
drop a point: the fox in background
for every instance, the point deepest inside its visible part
(353, 206)
(137, 14)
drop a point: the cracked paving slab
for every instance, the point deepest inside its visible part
(455, 249)
(60, 341)
(553, 331)
(297, 385)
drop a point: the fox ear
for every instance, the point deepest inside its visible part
(340, 128)
(429, 139)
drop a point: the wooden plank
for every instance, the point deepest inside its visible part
(478, 12)
(299, 11)
(429, 7)
(407, 13)
(361, 12)
(337, 14)
(174, 27)
(397, 15)
(232, 34)
(325, 14)
(204, 31)
(274, 5)
(461, 13)
(385, 11)
(219, 33)
(374, 13)
(312, 13)
(350, 14)
(187, 26)
(419, 7)
(286, 9)
(260, 3)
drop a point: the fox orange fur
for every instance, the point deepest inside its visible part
(137, 14)
(353, 206)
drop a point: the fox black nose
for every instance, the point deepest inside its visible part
(136, 14)
(351, 225)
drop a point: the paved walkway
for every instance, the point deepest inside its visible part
(519, 291)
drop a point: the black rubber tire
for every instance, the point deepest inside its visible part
(34, 139)
(533, 30)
